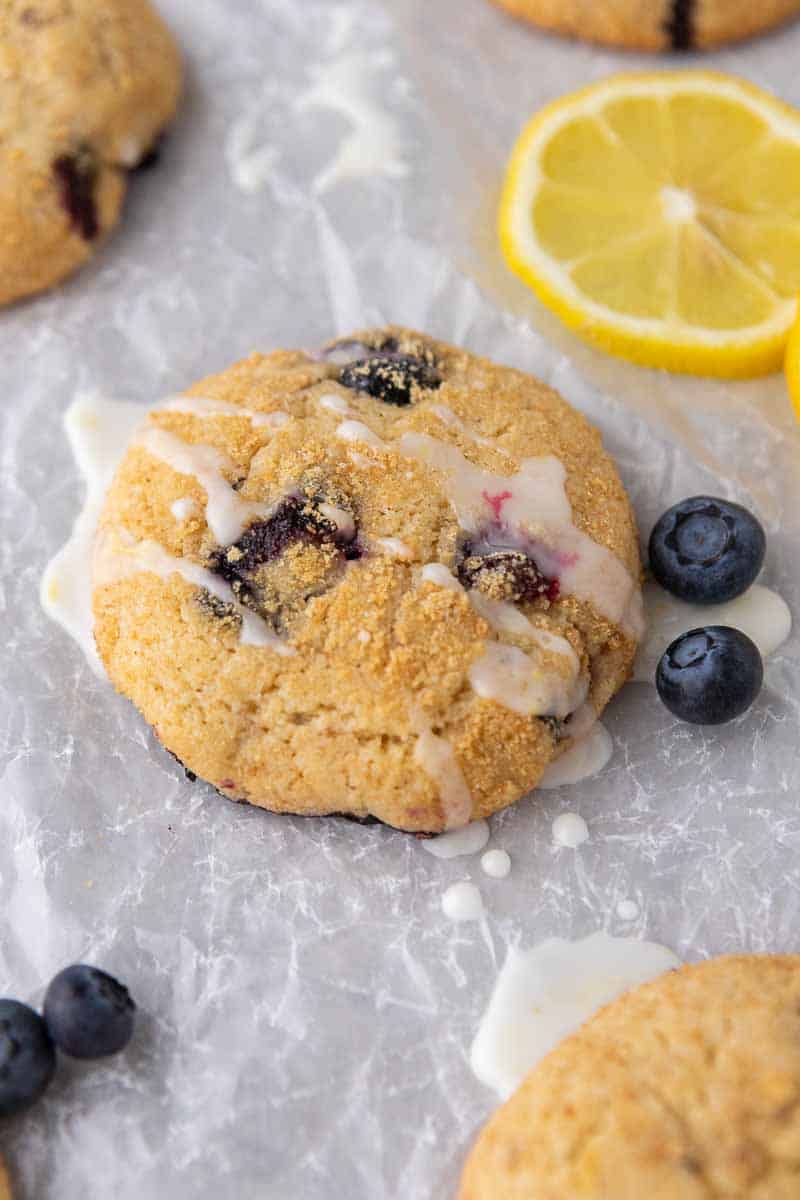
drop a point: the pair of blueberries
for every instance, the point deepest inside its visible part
(87, 1014)
(708, 551)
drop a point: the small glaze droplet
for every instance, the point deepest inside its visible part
(627, 910)
(462, 902)
(570, 830)
(469, 840)
(496, 863)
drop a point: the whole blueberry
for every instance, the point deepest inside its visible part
(27, 1057)
(88, 1013)
(709, 676)
(707, 551)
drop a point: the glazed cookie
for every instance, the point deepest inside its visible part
(687, 1088)
(655, 24)
(85, 90)
(391, 580)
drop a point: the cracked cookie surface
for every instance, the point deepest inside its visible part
(326, 601)
(684, 1089)
(655, 24)
(85, 90)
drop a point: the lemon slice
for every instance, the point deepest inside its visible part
(659, 216)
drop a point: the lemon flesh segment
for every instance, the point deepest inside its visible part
(659, 215)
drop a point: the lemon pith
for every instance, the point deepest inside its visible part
(659, 216)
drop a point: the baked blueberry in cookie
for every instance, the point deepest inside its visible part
(391, 378)
(97, 85)
(327, 603)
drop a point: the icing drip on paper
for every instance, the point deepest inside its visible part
(463, 902)
(760, 613)
(570, 830)
(469, 840)
(98, 431)
(545, 993)
(585, 759)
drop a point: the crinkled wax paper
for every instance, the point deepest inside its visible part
(306, 1009)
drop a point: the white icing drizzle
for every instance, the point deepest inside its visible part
(205, 409)
(394, 548)
(514, 679)
(585, 759)
(436, 757)
(448, 417)
(183, 508)
(118, 556)
(570, 830)
(98, 431)
(505, 618)
(361, 461)
(463, 902)
(547, 992)
(760, 613)
(226, 513)
(373, 144)
(441, 576)
(335, 403)
(357, 431)
(496, 864)
(341, 518)
(531, 509)
(457, 842)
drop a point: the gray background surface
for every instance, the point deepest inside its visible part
(306, 1008)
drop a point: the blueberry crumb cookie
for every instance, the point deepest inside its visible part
(684, 1089)
(390, 580)
(86, 88)
(655, 24)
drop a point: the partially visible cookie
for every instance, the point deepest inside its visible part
(86, 87)
(5, 1183)
(392, 580)
(655, 24)
(684, 1089)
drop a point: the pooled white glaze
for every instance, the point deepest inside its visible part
(98, 431)
(518, 681)
(335, 403)
(436, 757)
(227, 513)
(463, 902)
(119, 556)
(586, 758)
(440, 575)
(183, 508)
(627, 910)
(496, 864)
(545, 993)
(531, 509)
(341, 518)
(373, 146)
(205, 409)
(469, 840)
(357, 431)
(760, 613)
(570, 830)
(395, 548)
